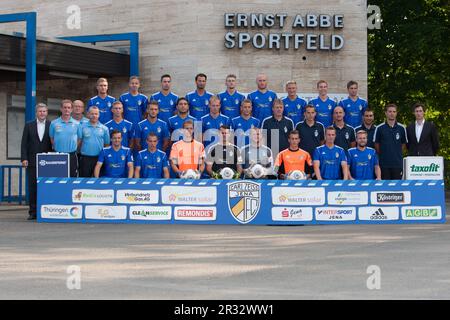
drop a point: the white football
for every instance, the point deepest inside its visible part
(257, 171)
(190, 174)
(296, 175)
(227, 173)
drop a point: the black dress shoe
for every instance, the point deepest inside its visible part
(31, 217)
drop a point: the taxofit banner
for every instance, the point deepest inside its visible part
(258, 202)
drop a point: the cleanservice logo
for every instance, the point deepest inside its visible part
(390, 197)
(61, 212)
(286, 196)
(244, 200)
(336, 214)
(421, 213)
(150, 213)
(195, 213)
(106, 212)
(189, 195)
(138, 196)
(92, 196)
(348, 198)
(378, 213)
(292, 214)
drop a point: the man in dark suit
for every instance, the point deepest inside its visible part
(423, 138)
(35, 139)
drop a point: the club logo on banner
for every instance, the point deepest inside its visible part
(244, 200)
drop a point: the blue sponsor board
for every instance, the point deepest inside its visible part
(257, 202)
(52, 165)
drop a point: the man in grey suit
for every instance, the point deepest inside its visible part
(35, 139)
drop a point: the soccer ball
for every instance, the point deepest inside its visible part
(296, 175)
(227, 173)
(257, 171)
(190, 174)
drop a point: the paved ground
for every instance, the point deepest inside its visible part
(222, 262)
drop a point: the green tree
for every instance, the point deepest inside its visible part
(409, 61)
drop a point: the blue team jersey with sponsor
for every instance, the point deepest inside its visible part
(354, 111)
(330, 161)
(115, 163)
(175, 125)
(166, 104)
(230, 105)
(262, 103)
(152, 164)
(213, 125)
(294, 109)
(64, 135)
(134, 107)
(324, 110)
(198, 105)
(125, 126)
(362, 163)
(159, 128)
(241, 129)
(104, 106)
(93, 138)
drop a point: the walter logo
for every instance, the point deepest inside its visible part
(244, 200)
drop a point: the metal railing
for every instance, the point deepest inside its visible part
(6, 176)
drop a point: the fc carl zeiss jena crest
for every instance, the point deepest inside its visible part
(244, 200)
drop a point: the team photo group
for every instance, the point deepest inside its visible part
(228, 135)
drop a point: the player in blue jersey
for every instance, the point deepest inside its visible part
(102, 100)
(323, 104)
(176, 122)
(262, 99)
(330, 161)
(167, 100)
(354, 106)
(152, 124)
(116, 159)
(241, 125)
(362, 160)
(294, 106)
(212, 122)
(122, 125)
(199, 99)
(134, 103)
(151, 162)
(231, 99)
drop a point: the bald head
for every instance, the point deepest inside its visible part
(261, 81)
